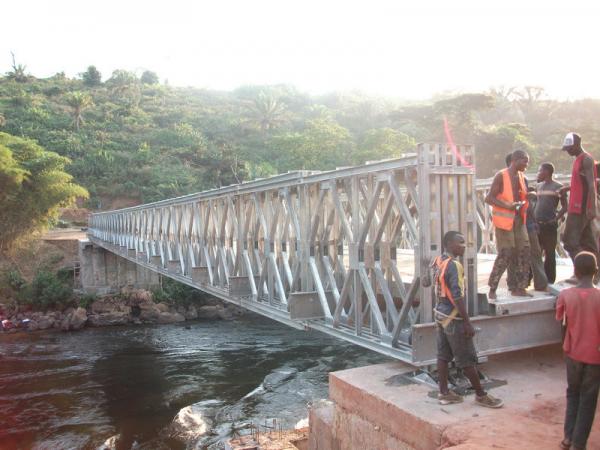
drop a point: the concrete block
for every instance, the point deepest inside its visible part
(320, 420)
(375, 409)
(240, 286)
(174, 266)
(395, 411)
(200, 275)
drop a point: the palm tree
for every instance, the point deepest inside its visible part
(79, 101)
(267, 111)
(18, 71)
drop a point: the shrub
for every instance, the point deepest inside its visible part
(46, 291)
(86, 300)
(15, 280)
(176, 293)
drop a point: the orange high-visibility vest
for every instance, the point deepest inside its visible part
(444, 291)
(504, 218)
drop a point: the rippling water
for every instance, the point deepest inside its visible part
(163, 386)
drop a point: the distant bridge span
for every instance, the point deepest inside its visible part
(340, 252)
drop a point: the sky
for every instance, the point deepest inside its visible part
(402, 49)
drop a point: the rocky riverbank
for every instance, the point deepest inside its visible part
(130, 307)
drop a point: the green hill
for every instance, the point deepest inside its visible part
(134, 140)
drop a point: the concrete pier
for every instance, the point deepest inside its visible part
(371, 408)
(103, 272)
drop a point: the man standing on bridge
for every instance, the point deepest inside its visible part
(548, 197)
(583, 207)
(508, 198)
(454, 331)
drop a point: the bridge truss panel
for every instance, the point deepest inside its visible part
(320, 250)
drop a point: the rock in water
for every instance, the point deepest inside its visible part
(167, 317)
(208, 312)
(45, 323)
(162, 307)
(114, 318)
(191, 313)
(190, 423)
(78, 319)
(65, 323)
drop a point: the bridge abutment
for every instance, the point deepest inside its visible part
(103, 272)
(377, 407)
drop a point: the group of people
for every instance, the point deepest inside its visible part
(526, 220)
(524, 233)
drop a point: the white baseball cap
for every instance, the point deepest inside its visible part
(570, 140)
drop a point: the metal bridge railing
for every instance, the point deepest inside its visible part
(320, 250)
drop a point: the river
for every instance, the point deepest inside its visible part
(178, 386)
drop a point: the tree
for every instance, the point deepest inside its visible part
(382, 143)
(323, 144)
(91, 77)
(11, 174)
(266, 111)
(34, 186)
(2, 120)
(18, 71)
(122, 78)
(493, 144)
(79, 102)
(149, 77)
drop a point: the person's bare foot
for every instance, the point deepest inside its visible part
(492, 295)
(520, 293)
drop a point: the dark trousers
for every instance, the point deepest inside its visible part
(579, 235)
(582, 394)
(548, 237)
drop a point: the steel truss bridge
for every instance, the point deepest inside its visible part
(322, 251)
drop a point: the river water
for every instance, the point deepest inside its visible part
(179, 386)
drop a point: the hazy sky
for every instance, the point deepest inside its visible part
(408, 49)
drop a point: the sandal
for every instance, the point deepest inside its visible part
(565, 444)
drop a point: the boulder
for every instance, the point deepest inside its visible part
(33, 325)
(167, 317)
(208, 312)
(136, 296)
(108, 319)
(65, 323)
(78, 319)
(148, 312)
(162, 307)
(109, 305)
(191, 313)
(45, 322)
(230, 312)
(225, 314)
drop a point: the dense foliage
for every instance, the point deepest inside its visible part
(133, 140)
(47, 290)
(33, 186)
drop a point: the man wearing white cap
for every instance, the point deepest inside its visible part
(583, 207)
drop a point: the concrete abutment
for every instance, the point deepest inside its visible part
(103, 272)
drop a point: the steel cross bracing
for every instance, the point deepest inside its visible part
(318, 250)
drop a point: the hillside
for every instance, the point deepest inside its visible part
(134, 140)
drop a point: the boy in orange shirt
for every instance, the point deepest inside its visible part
(579, 310)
